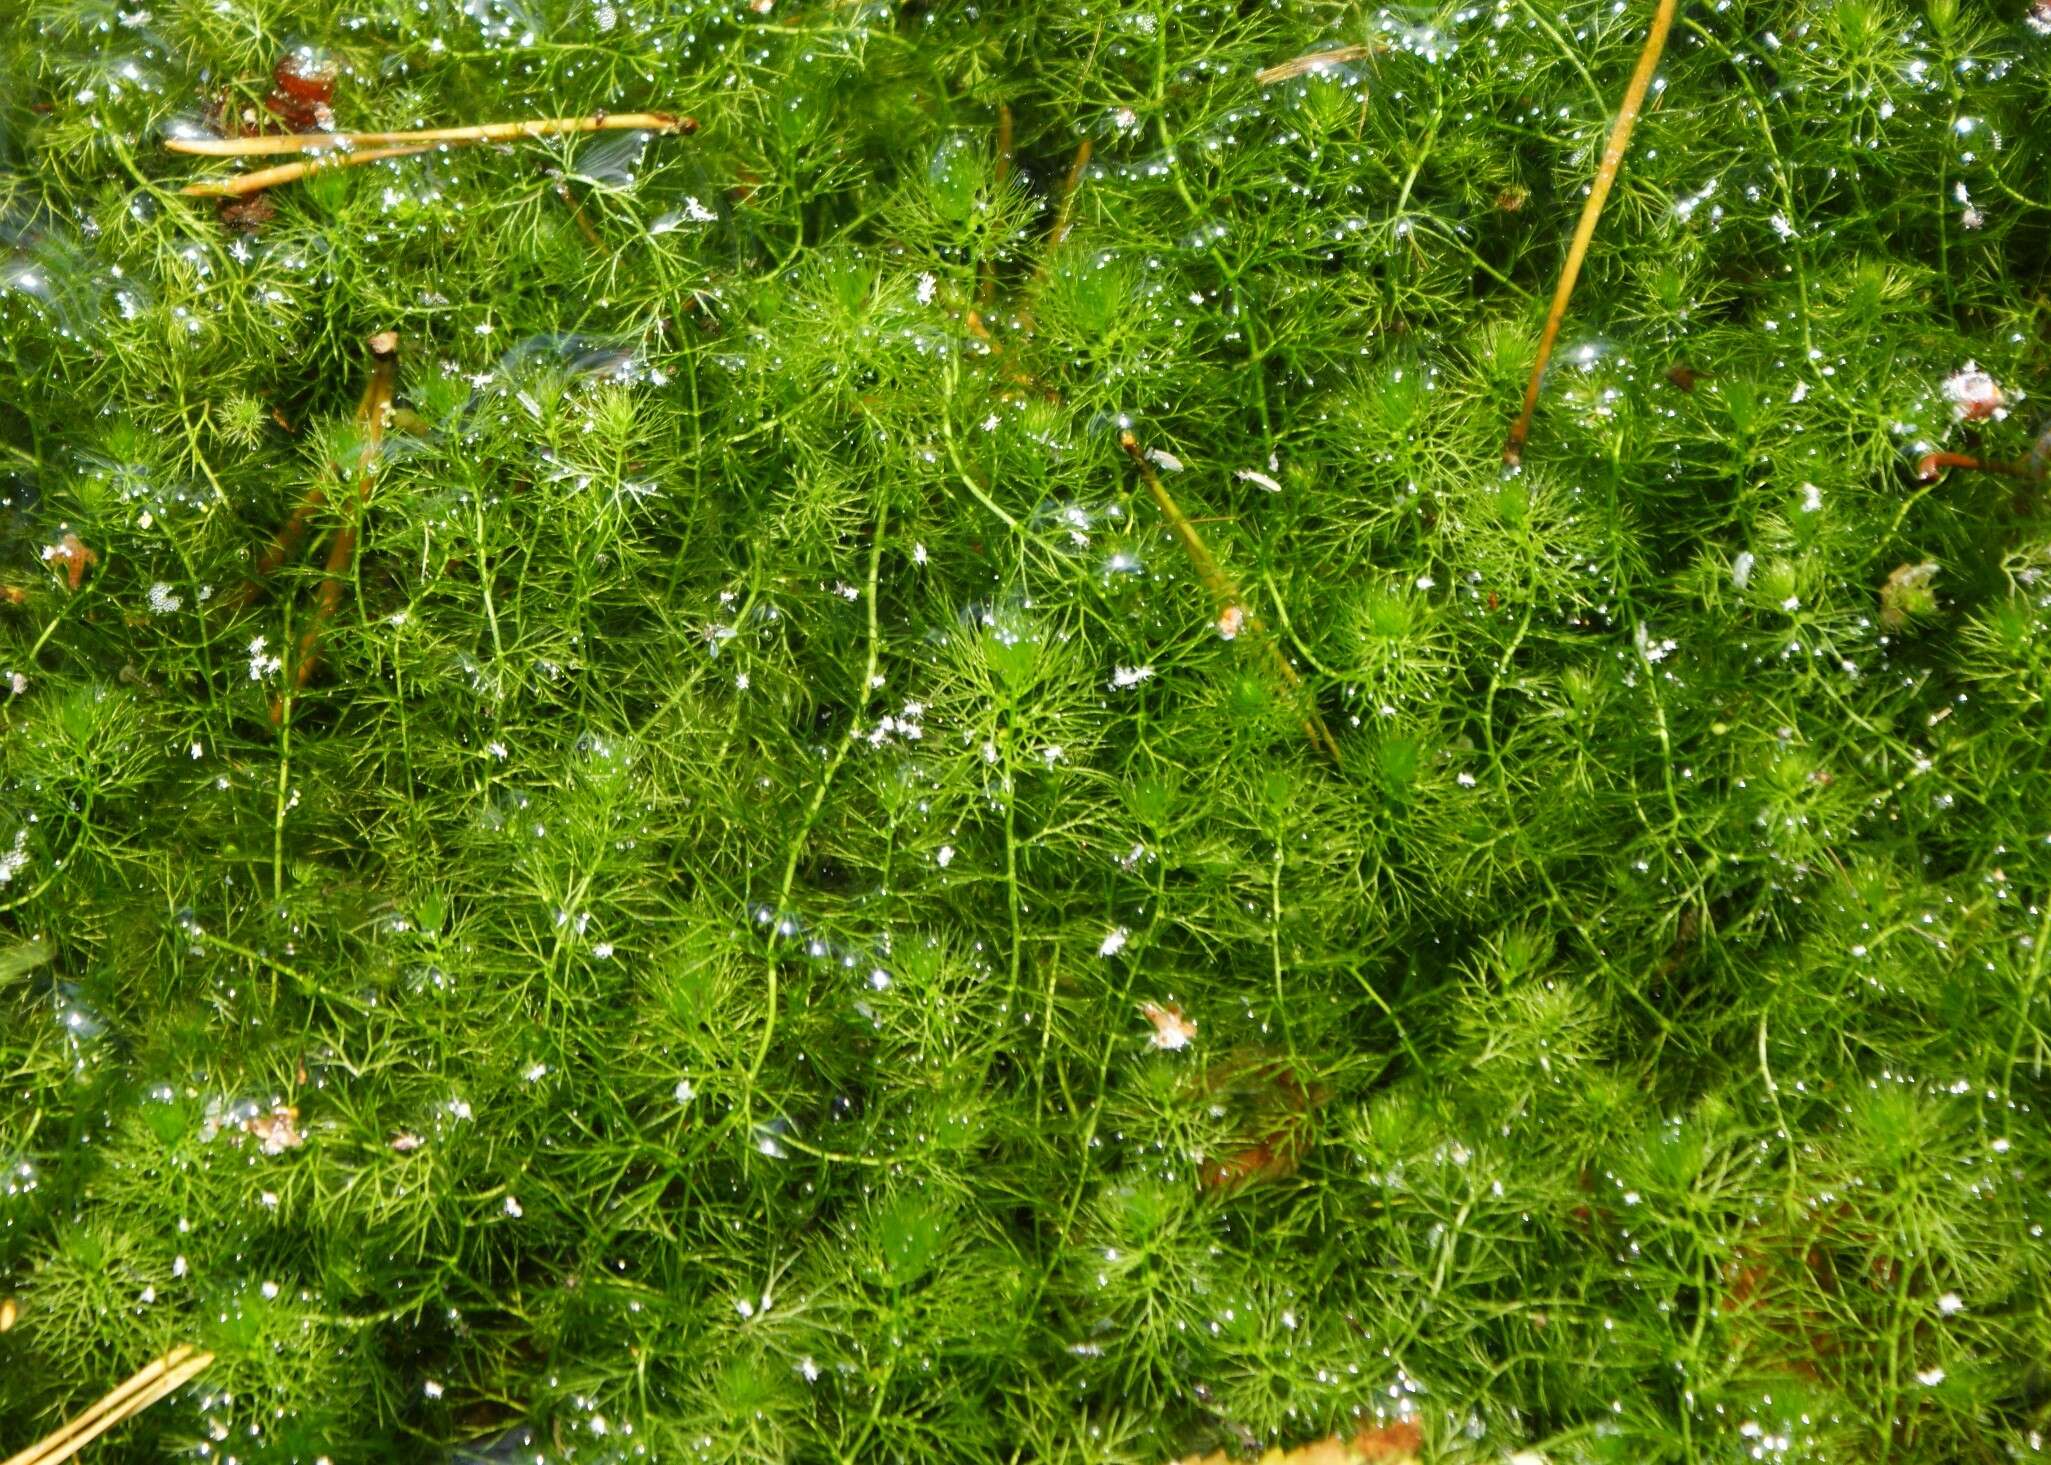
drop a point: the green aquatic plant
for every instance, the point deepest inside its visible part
(931, 796)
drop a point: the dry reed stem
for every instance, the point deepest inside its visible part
(1235, 617)
(584, 225)
(1312, 61)
(1584, 231)
(1003, 176)
(372, 416)
(159, 1377)
(262, 178)
(1064, 212)
(269, 144)
(287, 538)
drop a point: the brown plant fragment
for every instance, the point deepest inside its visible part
(247, 214)
(303, 91)
(1274, 1114)
(1312, 61)
(278, 1130)
(1906, 594)
(1384, 1444)
(1234, 618)
(74, 555)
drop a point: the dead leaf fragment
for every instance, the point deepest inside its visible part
(1273, 1113)
(278, 1130)
(1906, 593)
(74, 556)
(1172, 1031)
(1387, 1444)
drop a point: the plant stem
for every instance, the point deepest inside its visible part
(863, 693)
(1605, 176)
(272, 144)
(262, 178)
(1235, 619)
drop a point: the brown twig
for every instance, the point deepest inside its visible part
(1303, 65)
(372, 414)
(266, 145)
(1235, 618)
(141, 1389)
(988, 291)
(262, 178)
(584, 225)
(375, 400)
(1933, 465)
(1577, 251)
(1065, 210)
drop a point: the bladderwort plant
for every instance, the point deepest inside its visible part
(758, 886)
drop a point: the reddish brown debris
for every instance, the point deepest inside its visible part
(74, 556)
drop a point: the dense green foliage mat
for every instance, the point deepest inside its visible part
(781, 927)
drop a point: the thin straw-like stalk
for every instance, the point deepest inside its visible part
(371, 405)
(141, 1389)
(114, 1400)
(988, 292)
(583, 220)
(372, 415)
(1314, 61)
(1577, 251)
(1064, 214)
(262, 178)
(266, 145)
(1235, 617)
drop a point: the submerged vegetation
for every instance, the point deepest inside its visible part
(900, 778)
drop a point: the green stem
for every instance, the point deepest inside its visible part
(863, 693)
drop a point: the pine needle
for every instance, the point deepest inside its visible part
(243, 184)
(154, 1381)
(270, 144)
(1591, 211)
